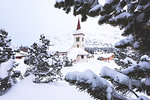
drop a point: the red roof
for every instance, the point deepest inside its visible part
(78, 25)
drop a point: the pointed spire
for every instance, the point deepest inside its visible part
(78, 25)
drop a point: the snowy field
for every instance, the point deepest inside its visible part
(27, 90)
(92, 64)
(60, 90)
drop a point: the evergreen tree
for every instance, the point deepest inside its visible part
(5, 50)
(7, 63)
(44, 66)
(134, 17)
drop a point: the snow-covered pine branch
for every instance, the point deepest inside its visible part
(116, 76)
(96, 86)
(140, 73)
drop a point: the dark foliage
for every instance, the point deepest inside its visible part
(6, 53)
(43, 65)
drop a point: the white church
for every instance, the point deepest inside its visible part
(77, 52)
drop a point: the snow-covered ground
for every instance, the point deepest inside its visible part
(92, 64)
(60, 90)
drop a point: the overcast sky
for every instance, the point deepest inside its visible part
(25, 20)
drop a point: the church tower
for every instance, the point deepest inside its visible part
(79, 37)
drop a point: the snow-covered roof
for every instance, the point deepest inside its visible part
(21, 53)
(74, 52)
(18, 54)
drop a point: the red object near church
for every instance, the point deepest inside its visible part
(20, 57)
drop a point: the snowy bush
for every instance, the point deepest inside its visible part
(45, 66)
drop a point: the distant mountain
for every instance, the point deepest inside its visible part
(100, 41)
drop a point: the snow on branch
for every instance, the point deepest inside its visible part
(89, 77)
(145, 57)
(129, 69)
(140, 73)
(143, 65)
(128, 60)
(124, 15)
(83, 7)
(5, 67)
(96, 86)
(96, 8)
(124, 42)
(116, 76)
(108, 1)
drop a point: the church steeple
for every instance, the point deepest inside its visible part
(78, 25)
(78, 37)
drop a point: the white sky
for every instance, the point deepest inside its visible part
(25, 20)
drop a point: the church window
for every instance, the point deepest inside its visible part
(82, 56)
(82, 39)
(77, 39)
(77, 46)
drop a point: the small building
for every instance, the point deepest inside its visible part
(19, 55)
(105, 57)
